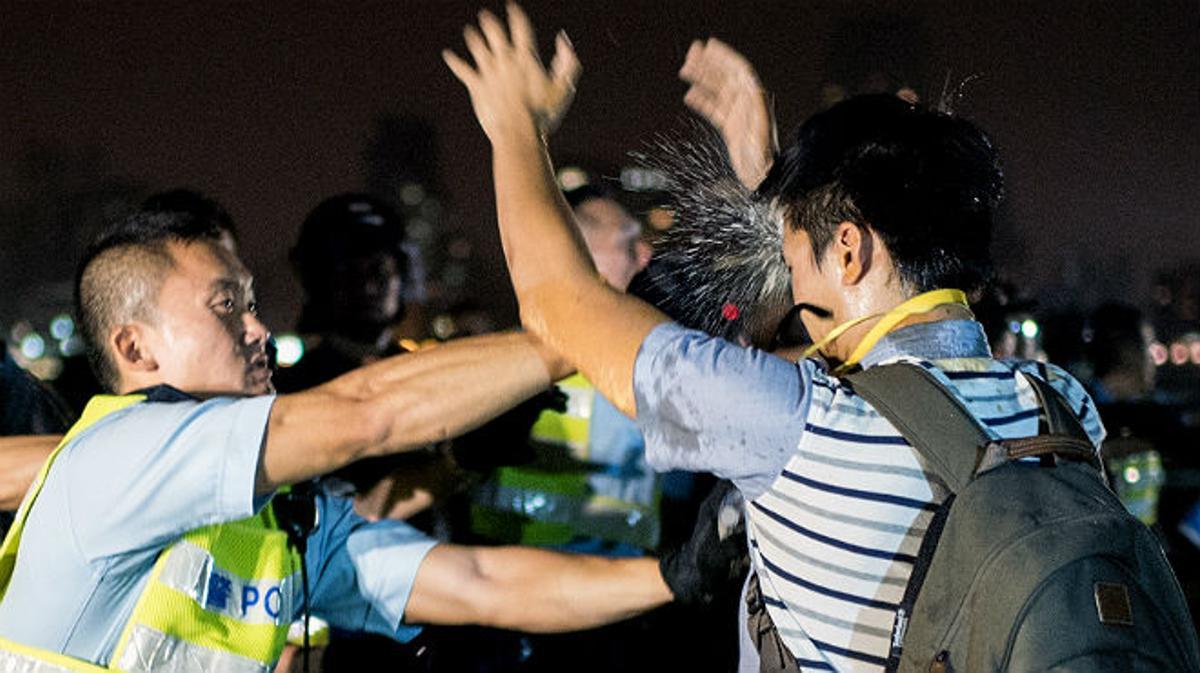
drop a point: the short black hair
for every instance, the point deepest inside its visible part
(120, 273)
(926, 181)
(196, 204)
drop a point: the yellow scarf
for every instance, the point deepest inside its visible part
(920, 304)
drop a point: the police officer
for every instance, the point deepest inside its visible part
(148, 541)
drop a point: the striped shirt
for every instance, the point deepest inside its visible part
(838, 502)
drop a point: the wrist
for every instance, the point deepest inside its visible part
(519, 134)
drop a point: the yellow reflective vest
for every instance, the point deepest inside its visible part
(553, 501)
(218, 599)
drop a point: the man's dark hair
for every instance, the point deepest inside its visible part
(193, 203)
(926, 181)
(119, 276)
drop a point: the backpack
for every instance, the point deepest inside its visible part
(1031, 563)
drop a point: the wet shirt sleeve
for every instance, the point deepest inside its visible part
(707, 405)
(363, 572)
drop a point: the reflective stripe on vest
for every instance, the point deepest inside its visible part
(220, 598)
(532, 506)
(18, 658)
(151, 651)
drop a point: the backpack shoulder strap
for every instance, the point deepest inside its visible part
(930, 417)
(1060, 419)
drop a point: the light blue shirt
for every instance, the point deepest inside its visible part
(140, 478)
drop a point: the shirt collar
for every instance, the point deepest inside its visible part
(938, 340)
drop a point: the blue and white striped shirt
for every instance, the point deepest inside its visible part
(837, 500)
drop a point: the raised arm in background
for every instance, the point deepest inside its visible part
(725, 90)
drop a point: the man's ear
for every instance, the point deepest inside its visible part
(131, 348)
(853, 247)
(643, 252)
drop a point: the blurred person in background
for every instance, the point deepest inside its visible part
(587, 487)
(353, 265)
(1117, 345)
(1149, 451)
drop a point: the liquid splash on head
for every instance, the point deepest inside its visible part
(719, 268)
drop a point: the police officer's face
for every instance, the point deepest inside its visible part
(615, 240)
(207, 337)
(368, 289)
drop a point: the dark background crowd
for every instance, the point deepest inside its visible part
(266, 111)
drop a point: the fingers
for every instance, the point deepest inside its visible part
(565, 66)
(692, 61)
(493, 30)
(521, 30)
(715, 65)
(461, 69)
(478, 48)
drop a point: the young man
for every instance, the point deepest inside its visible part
(146, 543)
(882, 202)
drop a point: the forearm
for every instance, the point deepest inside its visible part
(563, 300)
(461, 393)
(400, 404)
(373, 379)
(551, 592)
(20, 459)
(529, 589)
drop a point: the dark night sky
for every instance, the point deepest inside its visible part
(1095, 107)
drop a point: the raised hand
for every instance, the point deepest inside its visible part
(511, 91)
(725, 90)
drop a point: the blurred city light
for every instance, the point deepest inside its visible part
(1158, 352)
(71, 346)
(642, 179)
(1179, 353)
(1030, 329)
(571, 177)
(660, 218)
(33, 346)
(289, 349)
(62, 327)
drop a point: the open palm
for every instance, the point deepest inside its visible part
(511, 91)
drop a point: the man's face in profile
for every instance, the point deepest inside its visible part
(207, 337)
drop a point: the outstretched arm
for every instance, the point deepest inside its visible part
(21, 457)
(402, 403)
(531, 589)
(725, 90)
(562, 298)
